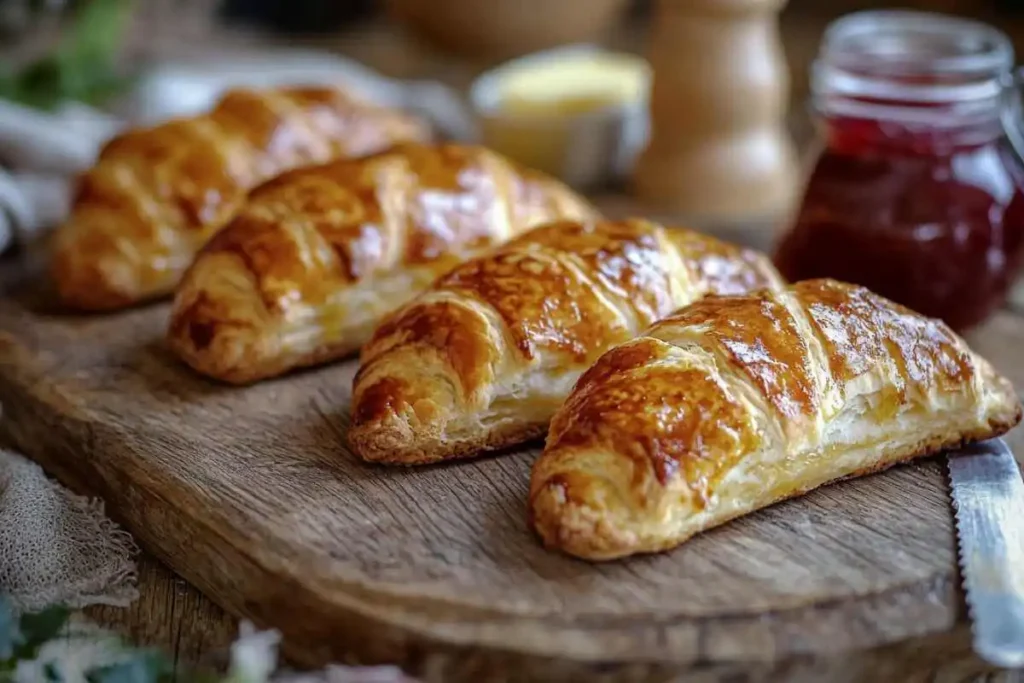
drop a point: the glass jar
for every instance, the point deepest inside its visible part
(916, 187)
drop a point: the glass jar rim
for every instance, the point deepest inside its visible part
(918, 67)
(907, 42)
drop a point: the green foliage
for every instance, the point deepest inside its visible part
(22, 637)
(82, 67)
(36, 629)
(9, 632)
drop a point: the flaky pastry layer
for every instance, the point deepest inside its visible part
(734, 403)
(156, 195)
(319, 256)
(484, 358)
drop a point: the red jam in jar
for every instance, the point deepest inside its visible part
(917, 190)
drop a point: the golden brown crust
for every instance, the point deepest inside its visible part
(156, 195)
(577, 528)
(760, 335)
(495, 345)
(734, 403)
(392, 448)
(319, 255)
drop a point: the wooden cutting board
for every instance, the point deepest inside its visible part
(252, 495)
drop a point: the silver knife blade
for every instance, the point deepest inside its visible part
(988, 503)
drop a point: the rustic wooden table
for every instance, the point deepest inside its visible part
(170, 613)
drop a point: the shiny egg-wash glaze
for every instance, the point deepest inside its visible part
(156, 195)
(484, 358)
(732, 404)
(320, 255)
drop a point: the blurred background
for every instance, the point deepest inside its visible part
(414, 38)
(722, 142)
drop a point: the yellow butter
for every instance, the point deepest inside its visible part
(538, 101)
(573, 84)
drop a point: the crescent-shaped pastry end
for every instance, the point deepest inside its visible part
(216, 321)
(95, 269)
(581, 515)
(407, 415)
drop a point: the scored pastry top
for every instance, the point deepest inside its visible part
(319, 255)
(156, 194)
(410, 205)
(511, 330)
(562, 286)
(735, 402)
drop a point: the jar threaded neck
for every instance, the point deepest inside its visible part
(918, 68)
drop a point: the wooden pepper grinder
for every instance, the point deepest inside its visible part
(718, 146)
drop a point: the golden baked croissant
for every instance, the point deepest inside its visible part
(484, 358)
(319, 255)
(734, 403)
(156, 195)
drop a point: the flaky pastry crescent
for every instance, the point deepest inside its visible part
(156, 195)
(484, 358)
(319, 255)
(734, 403)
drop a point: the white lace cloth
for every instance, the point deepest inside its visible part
(57, 547)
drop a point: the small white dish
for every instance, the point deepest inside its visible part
(577, 112)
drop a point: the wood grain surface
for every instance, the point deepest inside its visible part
(251, 495)
(172, 615)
